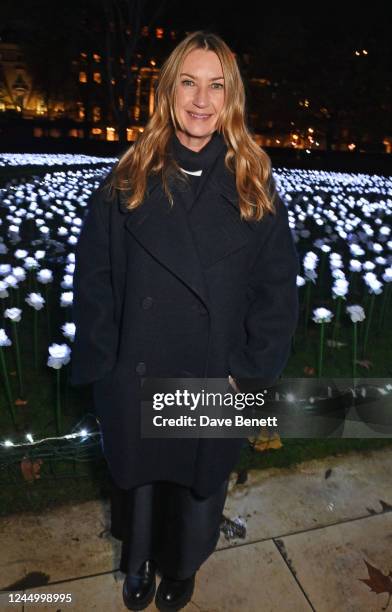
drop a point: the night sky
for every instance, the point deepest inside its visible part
(243, 24)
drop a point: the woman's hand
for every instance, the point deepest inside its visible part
(233, 383)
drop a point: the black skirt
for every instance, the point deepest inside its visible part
(168, 523)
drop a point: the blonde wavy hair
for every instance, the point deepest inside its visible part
(250, 163)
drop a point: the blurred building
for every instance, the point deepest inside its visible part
(86, 112)
(105, 92)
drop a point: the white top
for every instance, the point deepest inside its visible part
(195, 173)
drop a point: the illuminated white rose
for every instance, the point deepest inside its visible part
(322, 315)
(59, 355)
(35, 300)
(68, 330)
(45, 276)
(66, 298)
(356, 313)
(13, 313)
(4, 340)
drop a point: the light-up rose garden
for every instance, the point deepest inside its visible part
(342, 227)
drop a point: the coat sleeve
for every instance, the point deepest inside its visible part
(96, 334)
(272, 314)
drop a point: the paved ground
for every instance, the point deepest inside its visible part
(309, 531)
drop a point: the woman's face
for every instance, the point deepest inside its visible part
(200, 97)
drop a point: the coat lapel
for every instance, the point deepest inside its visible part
(188, 242)
(164, 232)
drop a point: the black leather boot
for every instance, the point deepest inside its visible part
(174, 594)
(139, 589)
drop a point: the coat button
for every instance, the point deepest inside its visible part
(201, 309)
(141, 368)
(147, 302)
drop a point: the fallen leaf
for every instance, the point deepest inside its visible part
(365, 363)
(30, 469)
(377, 581)
(264, 442)
(233, 528)
(20, 402)
(309, 370)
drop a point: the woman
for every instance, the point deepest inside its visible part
(185, 267)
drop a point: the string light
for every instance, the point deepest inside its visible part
(81, 434)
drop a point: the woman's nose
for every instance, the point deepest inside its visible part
(201, 97)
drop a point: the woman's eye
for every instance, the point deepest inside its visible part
(189, 83)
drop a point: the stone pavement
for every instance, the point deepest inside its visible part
(309, 531)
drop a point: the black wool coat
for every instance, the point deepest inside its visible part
(164, 293)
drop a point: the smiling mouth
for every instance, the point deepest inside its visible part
(198, 115)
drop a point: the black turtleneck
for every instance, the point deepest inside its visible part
(196, 161)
